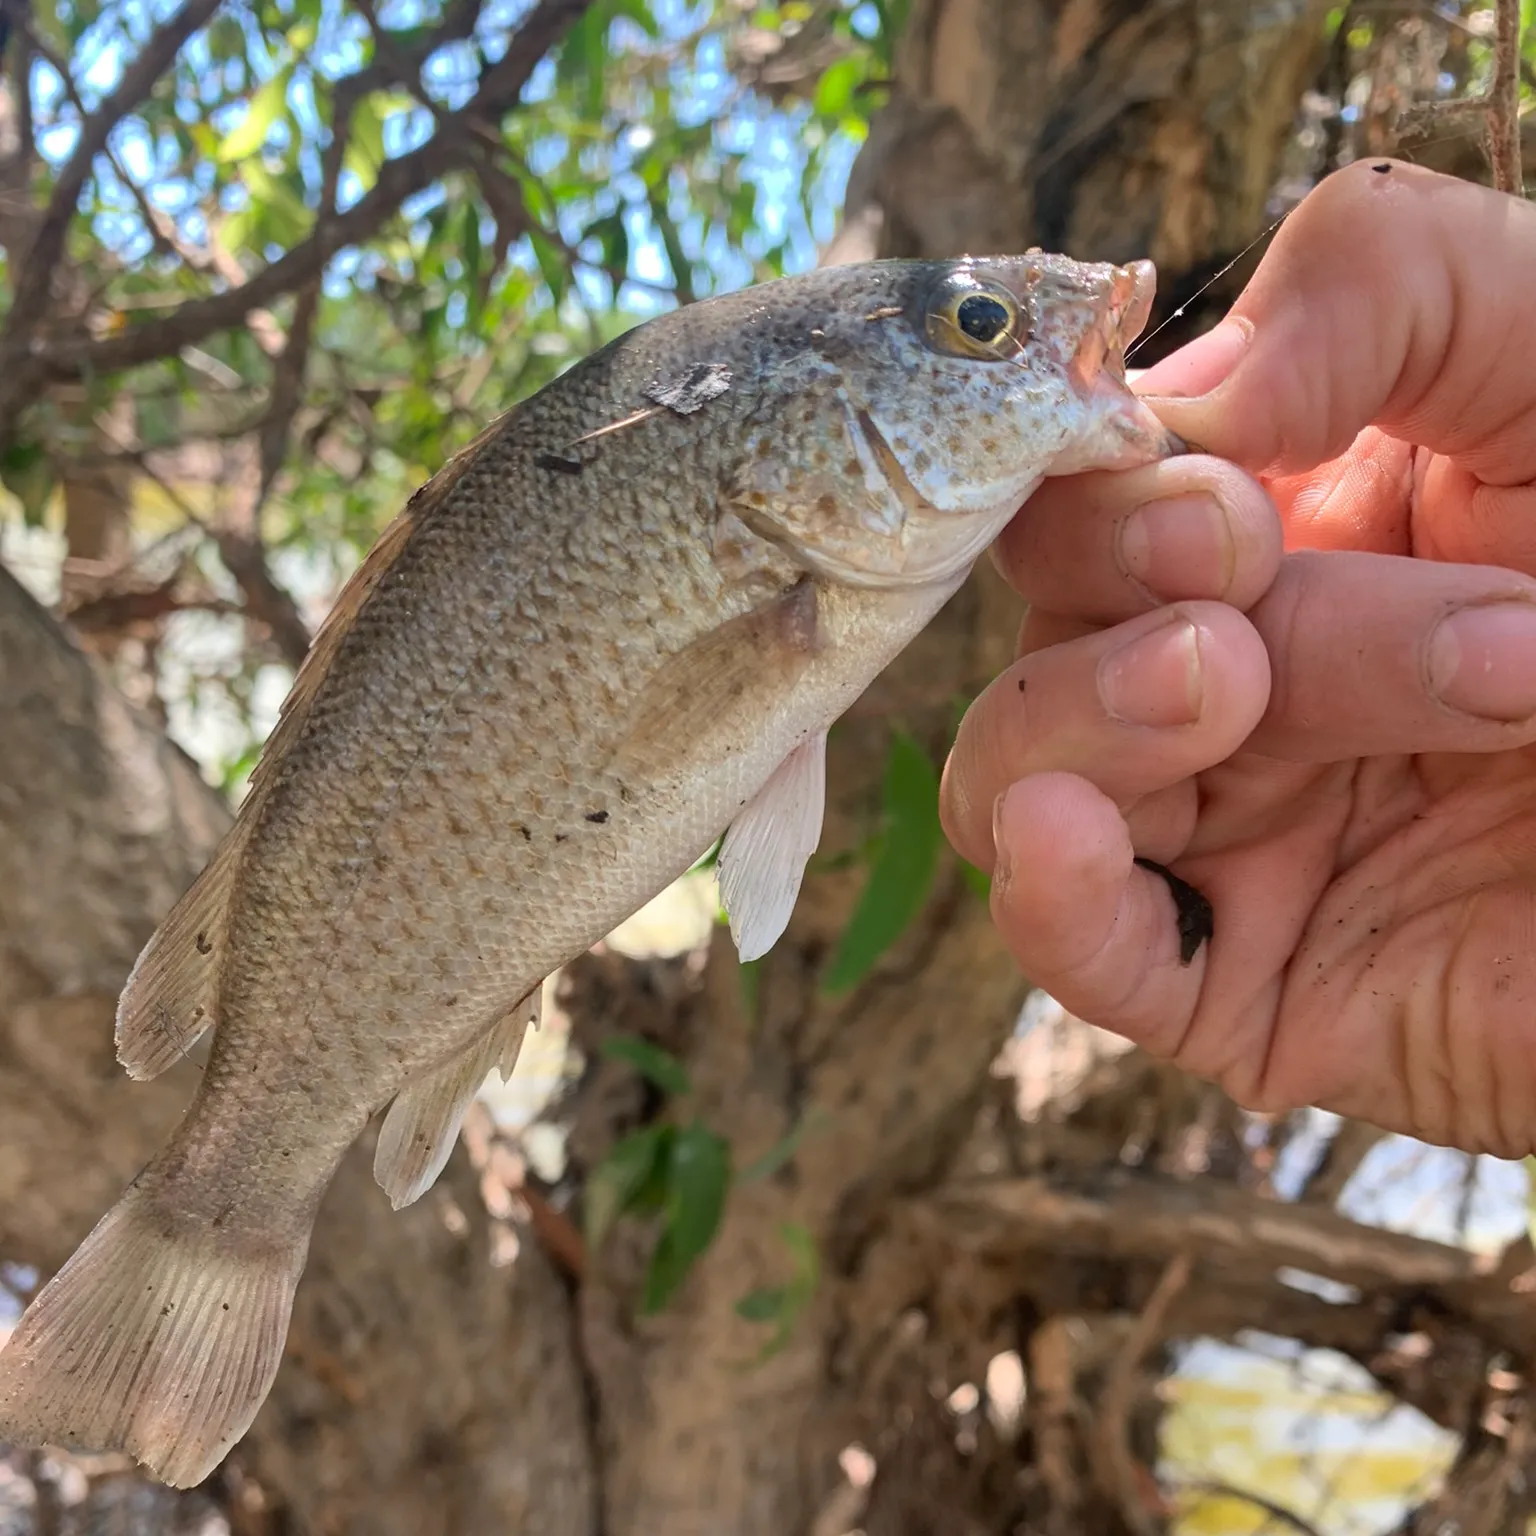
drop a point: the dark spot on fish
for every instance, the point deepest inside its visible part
(1022, 685)
(1197, 920)
(527, 835)
(1381, 170)
(167, 1309)
(224, 1305)
(826, 505)
(853, 469)
(598, 816)
(560, 837)
(203, 946)
(199, 1011)
(989, 445)
(558, 463)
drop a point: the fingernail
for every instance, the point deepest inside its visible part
(1198, 368)
(1179, 547)
(1154, 679)
(1002, 864)
(1483, 661)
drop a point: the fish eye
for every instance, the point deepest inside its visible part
(968, 319)
(983, 318)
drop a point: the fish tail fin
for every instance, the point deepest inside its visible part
(159, 1337)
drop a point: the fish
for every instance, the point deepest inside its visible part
(610, 633)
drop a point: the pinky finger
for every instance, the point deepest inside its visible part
(1101, 933)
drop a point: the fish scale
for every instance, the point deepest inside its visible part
(616, 627)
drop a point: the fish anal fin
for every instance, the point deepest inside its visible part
(422, 1125)
(160, 1337)
(171, 995)
(705, 685)
(763, 858)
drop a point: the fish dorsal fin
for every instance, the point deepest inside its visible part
(423, 1123)
(171, 996)
(763, 858)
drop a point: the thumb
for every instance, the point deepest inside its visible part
(1393, 296)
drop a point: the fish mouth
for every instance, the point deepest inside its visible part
(1097, 368)
(1123, 312)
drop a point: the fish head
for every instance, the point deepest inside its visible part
(936, 397)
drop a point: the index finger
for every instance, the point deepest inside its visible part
(1393, 296)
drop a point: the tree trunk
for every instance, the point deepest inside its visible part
(429, 1388)
(1110, 131)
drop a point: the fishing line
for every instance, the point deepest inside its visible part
(1258, 239)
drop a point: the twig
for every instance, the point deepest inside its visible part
(1116, 1466)
(1498, 109)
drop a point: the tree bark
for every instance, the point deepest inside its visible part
(1111, 130)
(430, 1388)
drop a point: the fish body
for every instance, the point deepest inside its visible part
(614, 628)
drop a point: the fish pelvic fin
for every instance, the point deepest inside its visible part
(160, 1337)
(422, 1126)
(763, 858)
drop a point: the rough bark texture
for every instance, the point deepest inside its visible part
(1110, 130)
(427, 1389)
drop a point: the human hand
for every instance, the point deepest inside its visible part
(1335, 746)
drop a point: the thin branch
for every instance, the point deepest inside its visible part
(1498, 109)
(1116, 1466)
(287, 390)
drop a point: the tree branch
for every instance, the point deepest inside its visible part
(398, 180)
(1116, 1466)
(37, 269)
(1498, 108)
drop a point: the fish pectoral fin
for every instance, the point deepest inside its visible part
(160, 1337)
(422, 1125)
(173, 989)
(763, 858)
(703, 686)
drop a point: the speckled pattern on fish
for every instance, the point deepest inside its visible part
(618, 625)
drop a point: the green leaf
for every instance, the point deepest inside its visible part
(903, 868)
(250, 133)
(834, 91)
(551, 262)
(623, 1180)
(611, 234)
(698, 1176)
(27, 473)
(763, 1305)
(654, 1064)
(782, 1305)
(783, 1152)
(364, 157)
